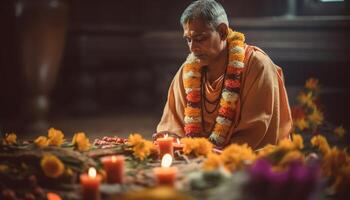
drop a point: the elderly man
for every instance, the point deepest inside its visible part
(226, 90)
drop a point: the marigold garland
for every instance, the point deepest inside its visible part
(229, 96)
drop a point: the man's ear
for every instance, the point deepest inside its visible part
(223, 31)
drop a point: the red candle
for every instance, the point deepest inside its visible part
(90, 184)
(165, 146)
(114, 167)
(177, 145)
(165, 175)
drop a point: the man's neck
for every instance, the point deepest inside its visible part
(218, 67)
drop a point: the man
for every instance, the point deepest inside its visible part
(226, 90)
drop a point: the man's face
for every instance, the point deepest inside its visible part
(204, 42)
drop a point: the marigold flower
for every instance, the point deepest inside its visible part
(227, 104)
(194, 96)
(226, 112)
(143, 149)
(286, 144)
(301, 124)
(316, 117)
(41, 142)
(234, 70)
(219, 128)
(197, 146)
(298, 141)
(311, 84)
(192, 112)
(212, 162)
(339, 131)
(320, 142)
(81, 142)
(235, 36)
(56, 137)
(192, 128)
(265, 151)
(232, 83)
(192, 83)
(195, 67)
(235, 156)
(236, 56)
(134, 139)
(52, 166)
(306, 99)
(10, 138)
(290, 157)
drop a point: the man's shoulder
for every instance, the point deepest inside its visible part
(259, 59)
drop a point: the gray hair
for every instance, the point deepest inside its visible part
(210, 11)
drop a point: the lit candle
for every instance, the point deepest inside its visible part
(90, 184)
(165, 175)
(114, 167)
(177, 145)
(165, 146)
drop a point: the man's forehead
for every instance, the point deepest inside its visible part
(194, 28)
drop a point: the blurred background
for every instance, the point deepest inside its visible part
(104, 67)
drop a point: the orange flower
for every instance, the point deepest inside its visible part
(192, 112)
(194, 96)
(233, 35)
(192, 83)
(56, 137)
(219, 128)
(236, 56)
(232, 83)
(227, 112)
(192, 128)
(212, 162)
(191, 67)
(52, 166)
(311, 84)
(234, 70)
(10, 138)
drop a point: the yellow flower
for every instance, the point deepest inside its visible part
(306, 99)
(197, 146)
(265, 151)
(41, 142)
(286, 145)
(10, 139)
(135, 139)
(3, 168)
(212, 162)
(235, 156)
(339, 131)
(52, 166)
(311, 84)
(301, 124)
(81, 142)
(143, 149)
(291, 156)
(333, 160)
(320, 142)
(56, 137)
(298, 141)
(316, 117)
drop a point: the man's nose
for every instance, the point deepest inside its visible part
(193, 47)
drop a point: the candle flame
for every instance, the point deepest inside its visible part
(114, 159)
(177, 140)
(92, 172)
(167, 160)
(166, 136)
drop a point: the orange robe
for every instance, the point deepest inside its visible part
(263, 113)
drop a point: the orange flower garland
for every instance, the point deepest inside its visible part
(229, 97)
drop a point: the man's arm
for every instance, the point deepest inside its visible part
(173, 114)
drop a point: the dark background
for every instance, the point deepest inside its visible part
(120, 56)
